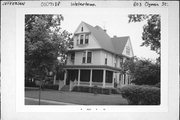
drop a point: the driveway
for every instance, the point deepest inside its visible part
(74, 98)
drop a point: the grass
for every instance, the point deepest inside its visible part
(78, 97)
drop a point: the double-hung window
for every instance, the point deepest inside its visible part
(86, 39)
(106, 59)
(81, 39)
(84, 57)
(121, 62)
(89, 56)
(72, 56)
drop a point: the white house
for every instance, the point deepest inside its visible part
(96, 59)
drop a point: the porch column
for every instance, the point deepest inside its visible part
(79, 76)
(104, 78)
(65, 77)
(90, 78)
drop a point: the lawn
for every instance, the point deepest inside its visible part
(78, 97)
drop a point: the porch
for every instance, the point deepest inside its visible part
(89, 77)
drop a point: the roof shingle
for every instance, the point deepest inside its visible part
(115, 44)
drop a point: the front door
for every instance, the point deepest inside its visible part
(71, 76)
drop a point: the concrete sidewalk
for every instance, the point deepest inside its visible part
(34, 101)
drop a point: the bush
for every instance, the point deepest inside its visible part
(30, 84)
(143, 95)
(95, 90)
(157, 85)
(50, 86)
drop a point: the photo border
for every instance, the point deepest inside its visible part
(20, 107)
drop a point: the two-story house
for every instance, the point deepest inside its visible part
(96, 58)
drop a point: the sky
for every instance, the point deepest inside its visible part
(115, 21)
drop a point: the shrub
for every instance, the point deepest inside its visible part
(157, 85)
(30, 84)
(95, 90)
(144, 95)
(50, 86)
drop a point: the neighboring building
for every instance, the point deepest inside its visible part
(96, 59)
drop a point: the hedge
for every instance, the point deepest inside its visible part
(95, 90)
(50, 86)
(30, 84)
(141, 95)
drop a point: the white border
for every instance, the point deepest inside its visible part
(20, 107)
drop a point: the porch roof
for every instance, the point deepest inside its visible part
(92, 67)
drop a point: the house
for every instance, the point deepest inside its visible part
(96, 59)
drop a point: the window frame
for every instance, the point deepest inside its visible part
(81, 39)
(85, 57)
(86, 39)
(106, 58)
(73, 54)
(89, 57)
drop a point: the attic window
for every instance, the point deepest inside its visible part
(81, 29)
(86, 39)
(81, 39)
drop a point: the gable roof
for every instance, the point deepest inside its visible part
(115, 45)
(119, 43)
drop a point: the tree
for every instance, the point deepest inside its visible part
(143, 71)
(45, 41)
(151, 35)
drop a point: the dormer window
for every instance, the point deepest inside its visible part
(86, 39)
(81, 39)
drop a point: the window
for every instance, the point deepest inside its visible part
(84, 57)
(105, 58)
(89, 56)
(72, 56)
(86, 39)
(77, 41)
(127, 50)
(105, 61)
(81, 39)
(109, 76)
(121, 62)
(81, 29)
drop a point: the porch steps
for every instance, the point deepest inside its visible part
(65, 88)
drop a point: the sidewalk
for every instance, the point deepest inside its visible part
(34, 101)
(77, 97)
